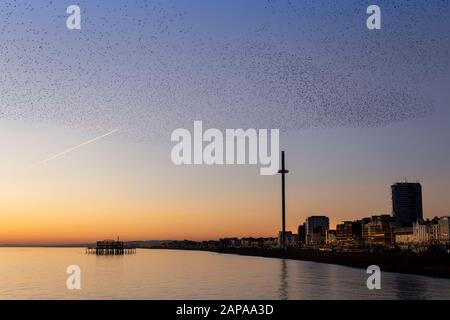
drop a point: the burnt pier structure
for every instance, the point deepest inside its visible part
(110, 247)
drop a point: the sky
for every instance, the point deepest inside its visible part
(357, 110)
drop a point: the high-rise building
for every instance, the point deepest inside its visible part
(316, 228)
(407, 203)
(302, 234)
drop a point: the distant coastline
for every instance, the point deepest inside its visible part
(436, 265)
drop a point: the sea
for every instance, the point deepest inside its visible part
(42, 273)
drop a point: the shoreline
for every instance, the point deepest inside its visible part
(435, 265)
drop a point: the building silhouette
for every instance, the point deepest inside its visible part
(316, 228)
(302, 234)
(407, 203)
(444, 229)
(378, 230)
(349, 232)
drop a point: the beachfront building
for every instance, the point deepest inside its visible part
(428, 232)
(230, 243)
(404, 237)
(302, 234)
(422, 232)
(291, 239)
(444, 230)
(344, 232)
(349, 233)
(316, 228)
(378, 231)
(250, 242)
(407, 203)
(330, 238)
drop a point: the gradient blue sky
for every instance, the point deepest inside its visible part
(358, 110)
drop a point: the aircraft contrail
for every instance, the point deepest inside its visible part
(73, 148)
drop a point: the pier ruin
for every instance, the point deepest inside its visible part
(110, 247)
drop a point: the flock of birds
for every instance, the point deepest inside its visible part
(148, 67)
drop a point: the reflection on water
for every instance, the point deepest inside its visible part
(40, 273)
(283, 280)
(410, 288)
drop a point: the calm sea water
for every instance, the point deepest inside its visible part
(40, 273)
